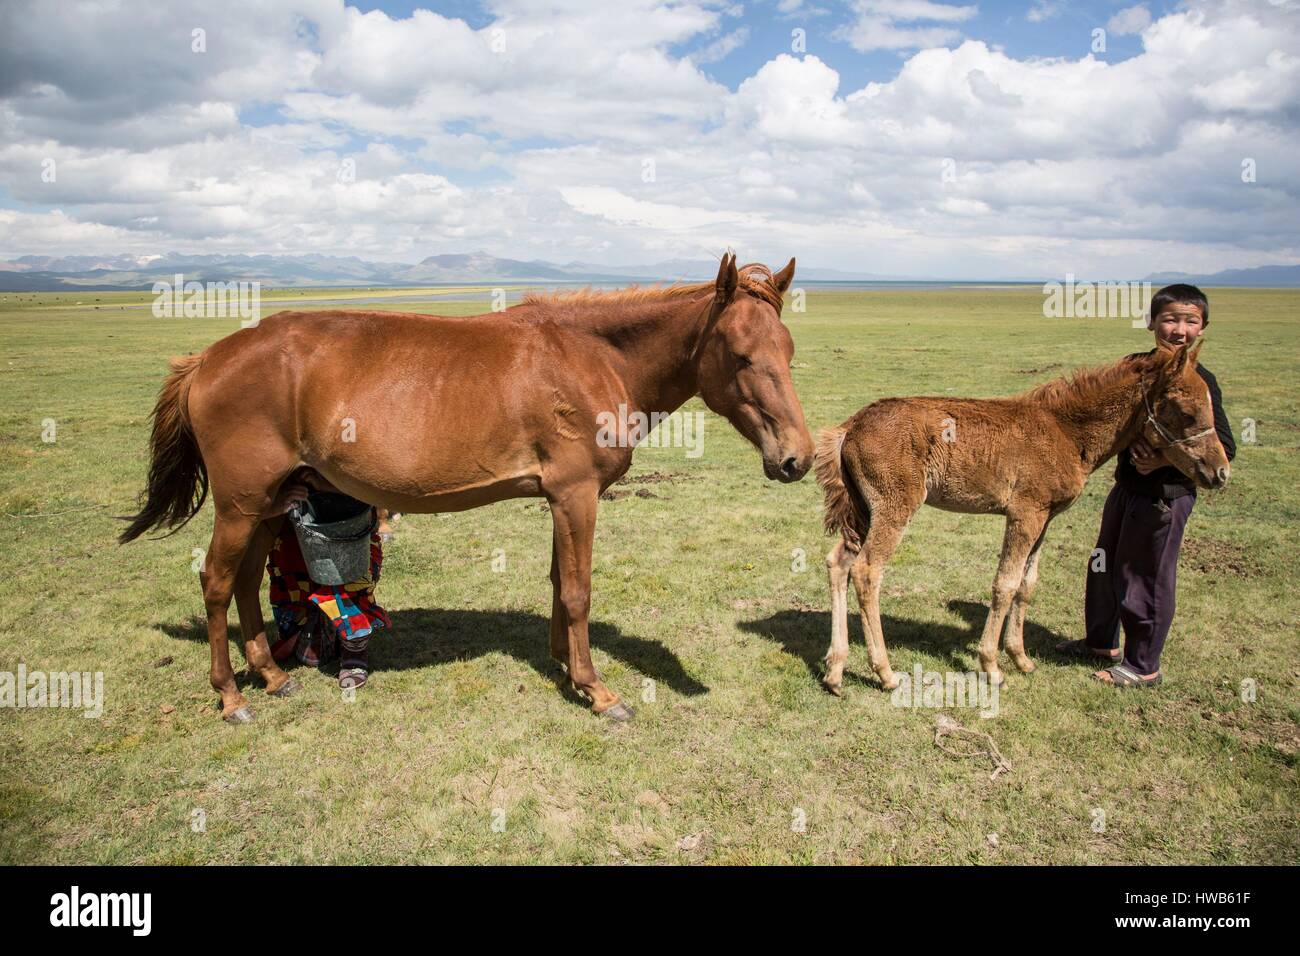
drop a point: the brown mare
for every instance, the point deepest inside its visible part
(468, 411)
(1026, 457)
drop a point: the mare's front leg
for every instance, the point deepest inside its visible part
(559, 620)
(573, 510)
(1023, 531)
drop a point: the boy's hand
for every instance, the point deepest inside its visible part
(289, 496)
(1145, 458)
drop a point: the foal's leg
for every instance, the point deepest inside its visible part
(1021, 534)
(1014, 637)
(248, 598)
(231, 532)
(574, 513)
(867, 572)
(559, 620)
(838, 562)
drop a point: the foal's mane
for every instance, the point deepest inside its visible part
(1083, 386)
(754, 279)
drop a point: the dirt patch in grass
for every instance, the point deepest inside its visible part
(1255, 728)
(1051, 366)
(1219, 557)
(614, 495)
(654, 477)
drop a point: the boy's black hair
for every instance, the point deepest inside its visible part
(1183, 294)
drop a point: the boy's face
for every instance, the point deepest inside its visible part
(1178, 323)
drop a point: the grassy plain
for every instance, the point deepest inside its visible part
(700, 602)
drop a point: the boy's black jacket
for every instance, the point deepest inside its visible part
(1169, 482)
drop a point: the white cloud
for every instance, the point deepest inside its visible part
(1129, 20)
(540, 150)
(1044, 10)
(876, 26)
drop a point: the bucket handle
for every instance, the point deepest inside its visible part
(295, 515)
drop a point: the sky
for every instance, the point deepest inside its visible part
(1036, 138)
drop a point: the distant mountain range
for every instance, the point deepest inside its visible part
(108, 273)
(1259, 277)
(125, 272)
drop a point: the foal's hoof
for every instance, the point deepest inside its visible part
(1026, 666)
(620, 713)
(996, 678)
(243, 715)
(889, 683)
(836, 689)
(290, 686)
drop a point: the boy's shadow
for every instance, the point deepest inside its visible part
(807, 635)
(422, 637)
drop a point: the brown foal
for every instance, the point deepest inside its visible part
(468, 411)
(1026, 457)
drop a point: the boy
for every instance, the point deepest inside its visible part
(1142, 526)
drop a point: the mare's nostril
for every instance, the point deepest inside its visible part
(789, 467)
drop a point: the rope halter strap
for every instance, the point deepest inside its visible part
(1163, 432)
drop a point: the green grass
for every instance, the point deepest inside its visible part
(694, 591)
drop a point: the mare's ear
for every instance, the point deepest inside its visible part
(783, 278)
(728, 279)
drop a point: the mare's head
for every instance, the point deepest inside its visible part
(744, 366)
(1178, 418)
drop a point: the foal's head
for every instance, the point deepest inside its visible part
(1180, 417)
(744, 367)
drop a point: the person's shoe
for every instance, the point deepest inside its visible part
(354, 666)
(1121, 675)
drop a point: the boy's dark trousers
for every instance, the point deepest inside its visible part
(1139, 541)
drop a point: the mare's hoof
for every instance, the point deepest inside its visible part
(290, 686)
(620, 713)
(243, 715)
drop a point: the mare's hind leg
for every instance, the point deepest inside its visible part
(1023, 531)
(231, 532)
(838, 562)
(867, 572)
(248, 598)
(1013, 638)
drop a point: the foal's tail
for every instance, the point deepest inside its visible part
(178, 479)
(845, 513)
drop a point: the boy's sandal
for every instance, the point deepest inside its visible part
(1121, 675)
(1081, 649)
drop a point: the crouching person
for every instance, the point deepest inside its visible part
(316, 622)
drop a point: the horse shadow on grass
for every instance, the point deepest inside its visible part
(807, 635)
(422, 637)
